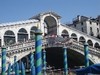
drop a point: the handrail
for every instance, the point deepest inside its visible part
(91, 50)
(18, 46)
(73, 42)
(31, 43)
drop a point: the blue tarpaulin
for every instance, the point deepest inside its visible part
(93, 69)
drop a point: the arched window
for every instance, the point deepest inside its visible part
(91, 32)
(90, 43)
(22, 35)
(97, 30)
(65, 34)
(82, 39)
(9, 37)
(96, 45)
(74, 36)
(51, 25)
(32, 30)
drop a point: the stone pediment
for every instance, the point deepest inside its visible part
(45, 13)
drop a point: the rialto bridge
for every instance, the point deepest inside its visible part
(22, 32)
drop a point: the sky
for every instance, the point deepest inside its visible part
(17, 10)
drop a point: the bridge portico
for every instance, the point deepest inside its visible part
(49, 22)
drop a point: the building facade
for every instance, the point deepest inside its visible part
(90, 26)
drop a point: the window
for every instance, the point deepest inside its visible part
(97, 23)
(91, 32)
(97, 30)
(90, 28)
(75, 25)
(90, 22)
(82, 29)
(81, 23)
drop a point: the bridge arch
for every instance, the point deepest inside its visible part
(32, 30)
(50, 24)
(74, 36)
(22, 35)
(65, 34)
(90, 43)
(9, 37)
(82, 39)
(58, 52)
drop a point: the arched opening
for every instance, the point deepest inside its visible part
(74, 36)
(9, 37)
(22, 35)
(82, 40)
(96, 45)
(32, 35)
(51, 25)
(90, 43)
(55, 54)
(65, 34)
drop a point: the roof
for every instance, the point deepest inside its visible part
(18, 22)
(41, 14)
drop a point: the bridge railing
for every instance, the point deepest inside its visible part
(59, 42)
(92, 50)
(22, 45)
(18, 46)
(81, 32)
(53, 42)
